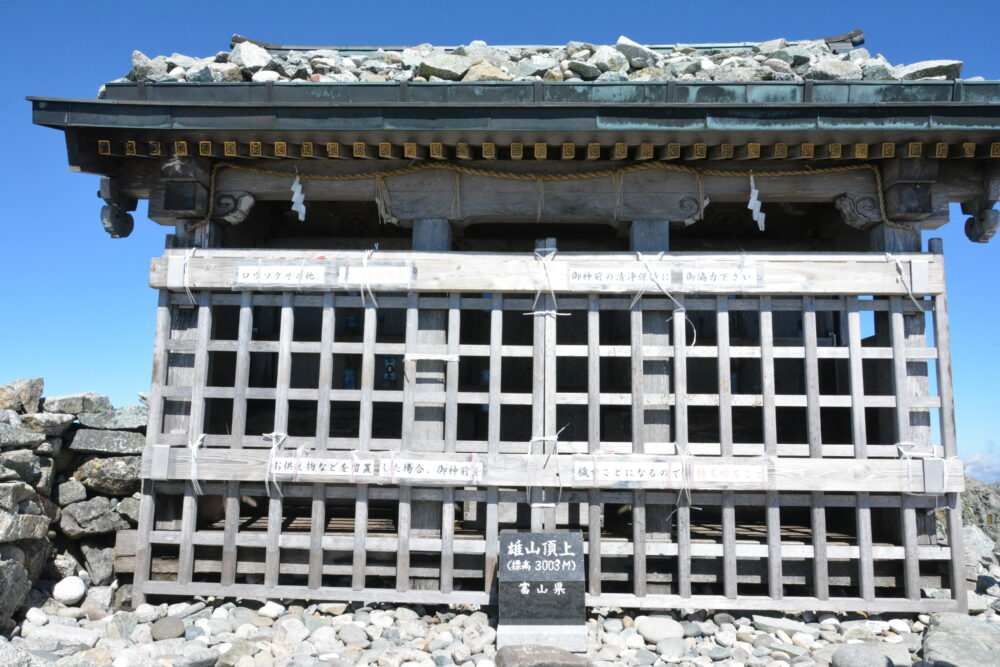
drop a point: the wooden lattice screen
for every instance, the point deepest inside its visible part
(727, 431)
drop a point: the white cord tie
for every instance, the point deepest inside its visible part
(272, 477)
(193, 447)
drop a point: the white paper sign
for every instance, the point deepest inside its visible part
(721, 275)
(434, 470)
(274, 274)
(610, 472)
(608, 276)
(376, 275)
(312, 466)
(728, 473)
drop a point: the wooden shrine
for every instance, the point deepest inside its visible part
(706, 334)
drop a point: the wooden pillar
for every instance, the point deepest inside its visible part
(652, 424)
(429, 234)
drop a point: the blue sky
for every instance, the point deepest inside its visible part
(76, 307)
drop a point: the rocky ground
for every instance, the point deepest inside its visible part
(68, 467)
(774, 60)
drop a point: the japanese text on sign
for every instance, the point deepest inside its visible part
(290, 275)
(721, 275)
(376, 274)
(307, 465)
(609, 276)
(588, 470)
(542, 556)
(431, 470)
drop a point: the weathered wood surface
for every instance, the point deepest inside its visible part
(783, 474)
(777, 274)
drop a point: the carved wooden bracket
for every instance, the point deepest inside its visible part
(114, 214)
(859, 212)
(233, 207)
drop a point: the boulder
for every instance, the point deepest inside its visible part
(48, 423)
(69, 591)
(114, 475)
(786, 625)
(100, 561)
(949, 69)
(445, 66)
(90, 517)
(74, 404)
(608, 58)
(535, 66)
(249, 57)
(536, 656)
(58, 637)
(168, 627)
(21, 395)
(15, 584)
(957, 639)
(655, 629)
(24, 463)
(13, 493)
(830, 69)
(65, 565)
(107, 442)
(127, 418)
(586, 70)
(636, 52)
(14, 527)
(19, 436)
(69, 492)
(485, 71)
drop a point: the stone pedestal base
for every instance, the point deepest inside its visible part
(571, 638)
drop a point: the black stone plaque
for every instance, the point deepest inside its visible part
(542, 579)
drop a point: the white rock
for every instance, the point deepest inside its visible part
(899, 626)
(250, 56)
(655, 629)
(70, 590)
(265, 76)
(802, 639)
(635, 641)
(220, 612)
(271, 609)
(36, 616)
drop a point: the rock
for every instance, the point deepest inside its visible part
(671, 648)
(265, 76)
(12, 494)
(655, 629)
(65, 565)
(958, 639)
(537, 656)
(21, 395)
(48, 423)
(69, 591)
(949, 69)
(352, 635)
(772, 45)
(36, 616)
(128, 418)
(59, 637)
(446, 66)
(168, 627)
(15, 584)
(19, 436)
(100, 561)
(249, 57)
(978, 545)
(107, 442)
(114, 475)
(90, 517)
(74, 404)
(271, 609)
(98, 602)
(24, 463)
(536, 65)
(128, 509)
(634, 52)
(478, 637)
(608, 58)
(14, 527)
(794, 55)
(787, 625)
(718, 653)
(586, 70)
(827, 70)
(485, 71)
(69, 492)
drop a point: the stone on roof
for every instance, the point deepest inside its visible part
(627, 60)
